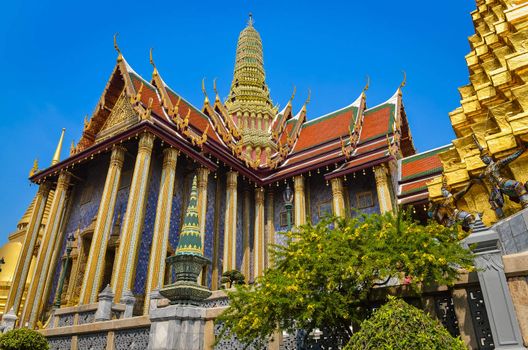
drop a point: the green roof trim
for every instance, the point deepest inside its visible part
(414, 190)
(423, 173)
(330, 115)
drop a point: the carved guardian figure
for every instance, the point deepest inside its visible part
(500, 185)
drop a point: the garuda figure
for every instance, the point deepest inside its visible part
(445, 211)
(501, 186)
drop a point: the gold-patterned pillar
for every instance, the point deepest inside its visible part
(38, 279)
(95, 264)
(26, 254)
(202, 180)
(229, 261)
(270, 227)
(259, 245)
(216, 239)
(338, 199)
(299, 201)
(246, 225)
(383, 188)
(160, 238)
(123, 278)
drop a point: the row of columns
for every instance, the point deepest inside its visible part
(124, 271)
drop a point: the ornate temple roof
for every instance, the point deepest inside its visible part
(246, 132)
(414, 173)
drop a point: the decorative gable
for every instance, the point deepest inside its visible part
(121, 117)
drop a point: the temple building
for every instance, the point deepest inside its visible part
(97, 241)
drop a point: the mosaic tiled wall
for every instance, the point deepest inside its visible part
(319, 197)
(360, 184)
(209, 224)
(239, 225)
(278, 208)
(221, 181)
(148, 225)
(181, 188)
(83, 206)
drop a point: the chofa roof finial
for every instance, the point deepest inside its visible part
(116, 47)
(151, 58)
(404, 81)
(367, 85)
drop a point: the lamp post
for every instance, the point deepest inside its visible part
(69, 247)
(287, 196)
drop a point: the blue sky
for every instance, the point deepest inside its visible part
(56, 56)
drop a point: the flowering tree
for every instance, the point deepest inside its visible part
(325, 275)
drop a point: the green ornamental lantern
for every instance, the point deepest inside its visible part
(188, 261)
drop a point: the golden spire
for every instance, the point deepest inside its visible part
(56, 156)
(249, 92)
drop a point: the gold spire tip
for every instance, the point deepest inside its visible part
(56, 156)
(250, 20)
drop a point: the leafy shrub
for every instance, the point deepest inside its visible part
(23, 339)
(398, 325)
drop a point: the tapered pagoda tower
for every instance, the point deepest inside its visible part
(249, 102)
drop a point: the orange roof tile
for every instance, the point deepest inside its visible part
(422, 164)
(326, 128)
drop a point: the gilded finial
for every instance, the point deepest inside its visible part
(135, 99)
(34, 169)
(404, 82)
(250, 20)
(116, 47)
(217, 98)
(293, 94)
(307, 99)
(367, 85)
(72, 147)
(151, 58)
(206, 100)
(56, 156)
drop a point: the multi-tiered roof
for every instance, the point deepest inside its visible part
(245, 132)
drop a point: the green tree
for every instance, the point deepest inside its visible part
(232, 277)
(23, 339)
(398, 325)
(325, 275)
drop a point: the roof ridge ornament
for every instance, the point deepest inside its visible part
(116, 47)
(307, 100)
(404, 81)
(367, 85)
(206, 100)
(217, 98)
(293, 94)
(151, 60)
